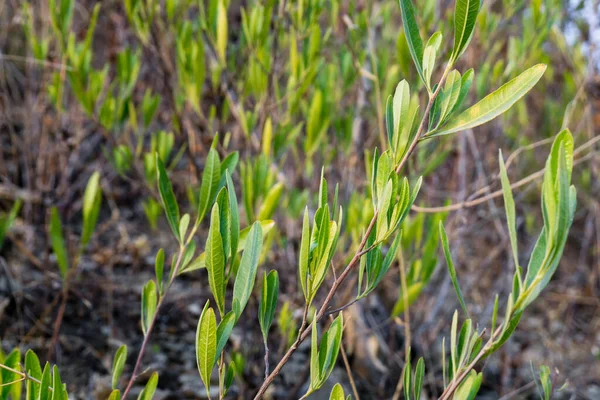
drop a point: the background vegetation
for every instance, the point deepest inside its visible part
(97, 98)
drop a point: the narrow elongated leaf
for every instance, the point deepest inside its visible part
(493, 104)
(314, 355)
(149, 302)
(269, 205)
(46, 383)
(210, 183)
(34, 370)
(419, 373)
(389, 120)
(115, 395)
(150, 388)
(429, 56)
(92, 199)
(246, 275)
(58, 390)
(118, 365)
(13, 360)
(465, 17)
(200, 261)
(168, 197)
(413, 36)
(509, 207)
(407, 378)
(184, 223)
(401, 114)
(206, 344)
(223, 332)
(225, 222)
(451, 269)
(465, 84)
(304, 254)
(450, 95)
(159, 268)
(215, 260)
(268, 302)
(234, 213)
(57, 241)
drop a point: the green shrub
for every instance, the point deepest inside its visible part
(370, 235)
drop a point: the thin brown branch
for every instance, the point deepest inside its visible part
(338, 281)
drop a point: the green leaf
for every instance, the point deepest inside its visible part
(223, 332)
(337, 393)
(269, 205)
(13, 360)
(200, 261)
(465, 84)
(413, 36)
(509, 207)
(225, 221)
(206, 344)
(493, 104)
(451, 269)
(46, 383)
(168, 198)
(184, 223)
(229, 375)
(34, 370)
(419, 373)
(92, 199)
(246, 274)
(407, 378)
(429, 56)
(450, 95)
(115, 395)
(323, 356)
(401, 108)
(469, 387)
(215, 260)
(118, 365)
(465, 17)
(159, 268)
(268, 302)
(234, 213)
(304, 254)
(210, 182)
(7, 221)
(58, 390)
(150, 388)
(149, 302)
(58, 242)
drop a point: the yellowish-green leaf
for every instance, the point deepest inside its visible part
(91, 207)
(149, 302)
(118, 365)
(57, 241)
(150, 388)
(246, 274)
(200, 261)
(493, 104)
(215, 260)
(206, 344)
(168, 198)
(509, 207)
